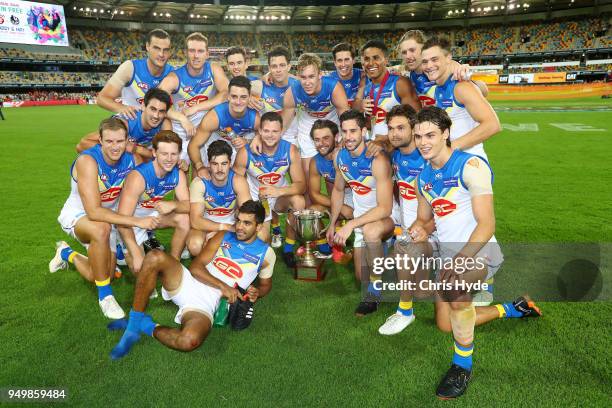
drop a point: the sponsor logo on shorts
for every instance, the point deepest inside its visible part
(228, 267)
(406, 190)
(442, 206)
(359, 188)
(269, 178)
(196, 100)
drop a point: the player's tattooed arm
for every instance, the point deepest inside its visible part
(314, 186)
(209, 124)
(481, 111)
(339, 99)
(199, 271)
(112, 90)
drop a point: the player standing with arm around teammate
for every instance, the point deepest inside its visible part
(98, 175)
(134, 78)
(473, 119)
(227, 267)
(350, 77)
(455, 191)
(143, 194)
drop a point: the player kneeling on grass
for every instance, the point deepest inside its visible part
(143, 194)
(324, 133)
(227, 267)
(88, 214)
(266, 175)
(214, 201)
(455, 190)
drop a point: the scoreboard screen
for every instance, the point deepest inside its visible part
(26, 22)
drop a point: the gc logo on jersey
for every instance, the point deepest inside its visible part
(442, 207)
(406, 190)
(269, 178)
(196, 100)
(228, 267)
(218, 212)
(359, 188)
(111, 194)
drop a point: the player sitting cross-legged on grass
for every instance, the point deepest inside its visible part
(455, 191)
(88, 214)
(227, 267)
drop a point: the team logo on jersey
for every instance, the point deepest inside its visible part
(270, 100)
(427, 186)
(196, 100)
(111, 194)
(187, 89)
(326, 175)
(228, 267)
(143, 85)
(438, 176)
(140, 100)
(269, 178)
(427, 100)
(359, 188)
(442, 207)
(103, 177)
(219, 212)
(343, 168)
(226, 245)
(209, 199)
(406, 190)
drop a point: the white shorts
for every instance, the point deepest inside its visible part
(68, 218)
(490, 253)
(178, 129)
(290, 134)
(304, 141)
(193, 296)
(141, 234)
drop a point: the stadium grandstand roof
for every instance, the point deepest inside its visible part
(257, 12)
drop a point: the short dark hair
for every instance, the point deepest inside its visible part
(160, 95)
(375, 44)
(112, 123)
(219, 148)
(324, 124)
(157, 33)
(241, 82)
(271, 117)
(355, 115)
(254, 207)
(167, 136)
(279, 52)
(442, 42)
(236, 50)
(344, 47)
(406, 111)
(437, 116)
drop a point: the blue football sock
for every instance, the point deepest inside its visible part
(131, 335)
(65, 254)
(405, 308)
(289, 242)
(119, 324)
(276, 230)
(325, 248)
(147, 325)
(373, 290)
(104, 288)
(463, 356)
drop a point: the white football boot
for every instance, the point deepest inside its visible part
(110, 308)
(395, 324)
(57, 262)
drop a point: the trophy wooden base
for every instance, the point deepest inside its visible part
(310, 273)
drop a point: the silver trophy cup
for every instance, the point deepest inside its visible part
(309, 228)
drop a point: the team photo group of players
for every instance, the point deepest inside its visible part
(394, 155)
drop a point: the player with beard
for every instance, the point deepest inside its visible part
(324, 134)
(141, 130)
(214, 201)
(196, 87)
(383, 90)
(134, 78)
(370, 180)
(143, 195)
(98, 175)
(228, 266)
(232, 121)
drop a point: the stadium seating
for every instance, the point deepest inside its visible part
(52, 78)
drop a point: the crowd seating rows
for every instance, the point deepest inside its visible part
(34, 78)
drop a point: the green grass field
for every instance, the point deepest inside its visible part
(305, 346)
